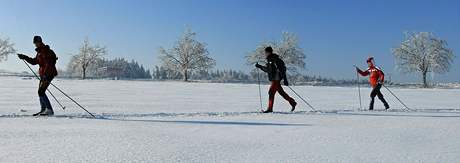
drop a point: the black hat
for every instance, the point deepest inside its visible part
(370, 59)
(37, 39)
(269, 49)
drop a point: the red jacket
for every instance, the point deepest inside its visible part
(375, 75)
(46, 59)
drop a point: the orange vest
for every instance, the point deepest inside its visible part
(375, 75)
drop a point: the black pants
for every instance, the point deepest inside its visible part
(43, 86)
(376, 92)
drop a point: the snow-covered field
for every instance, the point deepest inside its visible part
(203, 122)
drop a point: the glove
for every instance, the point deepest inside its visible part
(286, 83)
(22, 56)
(258, 66)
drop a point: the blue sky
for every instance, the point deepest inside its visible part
(334, 34)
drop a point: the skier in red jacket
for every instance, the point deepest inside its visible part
(46, 59)
(376, 79)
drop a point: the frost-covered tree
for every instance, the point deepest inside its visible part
(287, 48)
(118, 68)
(6, 48)
(424, 53)
(88, 55)
(122, 69)
(187, 55)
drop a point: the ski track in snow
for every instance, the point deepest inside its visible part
(141, 121)
(402, 113)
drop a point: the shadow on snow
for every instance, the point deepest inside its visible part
(128, 118)
(211, 122)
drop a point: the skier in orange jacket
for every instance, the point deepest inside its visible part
(376, 79)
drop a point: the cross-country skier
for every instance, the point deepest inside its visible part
(46, 59)
(276, 70)
(376, 79)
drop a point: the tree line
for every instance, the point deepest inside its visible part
(238, 76)
(189, 59)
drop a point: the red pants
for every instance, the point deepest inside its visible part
(276, 87)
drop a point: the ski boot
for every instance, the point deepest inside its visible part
(386, 106)
(267, 111)
(41, 111)
(47, 112)
(294, 104)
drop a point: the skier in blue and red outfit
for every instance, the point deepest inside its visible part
(46, 59)
(376, 80)
(276, 70)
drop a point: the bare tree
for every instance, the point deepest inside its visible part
(88, 55)
(6, 48)
(187, 55)
(425, 53)
(287, 48)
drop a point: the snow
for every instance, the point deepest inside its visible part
(145, 121)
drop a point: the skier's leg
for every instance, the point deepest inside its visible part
(44, 84)
(287, 97)
(42, 106)
(380, 96)
(48, 103)
(41, 95)
(271, 97)
(373, 94)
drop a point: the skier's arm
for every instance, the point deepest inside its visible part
(263, 68)
(286, 83)
(32, 61)
(362, 73)
(284, 77)
(382, 77)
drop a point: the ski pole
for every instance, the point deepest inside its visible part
(359, 89)
(57, 101)
(73, 100)
(54, 97)
(260, 92)
(397, 98)
(312, 108)
(63, 93)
